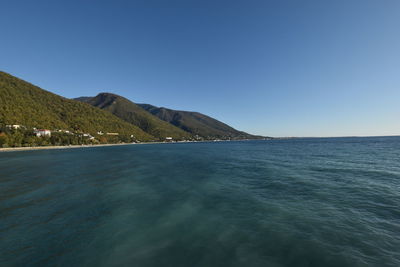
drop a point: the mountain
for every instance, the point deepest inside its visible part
(134, 114)
(26, 104)
(197, 123)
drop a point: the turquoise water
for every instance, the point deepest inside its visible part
(303, 202)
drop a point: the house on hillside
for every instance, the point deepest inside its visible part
(14, 126)
(168, 139)
(89, 136)
(112, 133)
(64, 131)
(42, 132)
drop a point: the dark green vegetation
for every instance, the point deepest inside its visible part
(88, 120)
(134, 114)
(197, 123)
(25, 104)
(26, 138)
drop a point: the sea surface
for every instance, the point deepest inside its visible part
(298, 202)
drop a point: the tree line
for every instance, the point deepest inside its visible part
(27, 138)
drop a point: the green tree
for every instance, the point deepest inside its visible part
(3, 140)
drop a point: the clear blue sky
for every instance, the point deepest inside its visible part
(278, 68)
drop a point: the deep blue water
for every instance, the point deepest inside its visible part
(300, 202)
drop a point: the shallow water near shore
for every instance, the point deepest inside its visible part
(300, 202)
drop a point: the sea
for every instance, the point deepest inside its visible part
(297, 202)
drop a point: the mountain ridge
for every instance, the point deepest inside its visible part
(194, 124)
(197, 123)
(134, 114)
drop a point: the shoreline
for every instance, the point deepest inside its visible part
(29, 148)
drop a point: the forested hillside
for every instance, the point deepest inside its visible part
(132, 113)
(197, 123)
(25, 104)
(106, 118)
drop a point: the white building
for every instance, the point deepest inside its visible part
(42, 132)
(63, 131)
(14, 126)
(88, 135)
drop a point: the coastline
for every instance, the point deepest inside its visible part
(28, 148)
